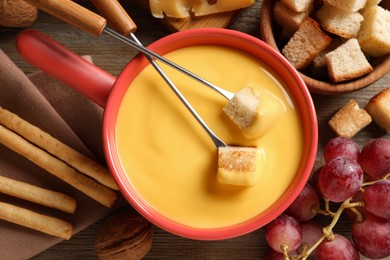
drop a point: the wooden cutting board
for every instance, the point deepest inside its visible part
(220, 20)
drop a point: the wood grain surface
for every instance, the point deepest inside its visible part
(112, 55)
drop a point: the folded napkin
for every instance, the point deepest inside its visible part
(69, 117)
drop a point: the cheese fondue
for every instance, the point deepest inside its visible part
(171, 161)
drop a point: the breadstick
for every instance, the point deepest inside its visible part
(58, 168)
(35, 135)
(37, 195)
(30, 219)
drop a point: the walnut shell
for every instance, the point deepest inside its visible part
(17, 13)
(124, 236)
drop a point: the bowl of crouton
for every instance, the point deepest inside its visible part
(337, 46)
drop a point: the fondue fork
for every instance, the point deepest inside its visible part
(86, 20)
(243, 105)
(236, 165)
(121, 20)
(113, 11)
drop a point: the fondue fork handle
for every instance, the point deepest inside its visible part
(116, 16)
(119, 18)
(84, 19)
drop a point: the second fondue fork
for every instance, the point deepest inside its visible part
(90, 22)
(236, 165)
(121, 21)
(243, 105)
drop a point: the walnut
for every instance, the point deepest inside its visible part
(124, 236)
(17, 13)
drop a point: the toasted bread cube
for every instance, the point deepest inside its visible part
(349, 5)
(319, 67)
(379, 109)
(370, 3)
(337, 21)
(349, 120)
(242, 108)
(347, 62)
(237, 165)
(297, 5)
(306, 44)
(288, 19)
(374, 34)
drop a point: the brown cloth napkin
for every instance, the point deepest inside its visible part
(69, 117)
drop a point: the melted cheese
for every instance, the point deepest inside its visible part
(267, 114)
(184, 8)
(170, 159)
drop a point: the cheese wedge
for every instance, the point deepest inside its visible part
(186, 8)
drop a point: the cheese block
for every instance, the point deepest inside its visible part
(187, 8)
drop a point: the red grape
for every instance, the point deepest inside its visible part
(311, 233)
(376, 199)
(340, 179)
(284, 230)
(375, 157)
(314, 180)
(340, 146)
(339, 248)
(306, 205)
(372, 236)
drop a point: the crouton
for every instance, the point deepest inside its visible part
(349, 6)
(379, 109)
(238, 165)
(288, 19)
(349, 120)
(297, 5)
(374, 34)
(242, 108)
(347, 62)
(337, 21)
(306, 44)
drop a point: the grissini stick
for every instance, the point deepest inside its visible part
(30, 219)
(37, 195)
(58, 168)
(58, 149)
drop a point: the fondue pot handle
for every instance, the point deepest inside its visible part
(51, 57)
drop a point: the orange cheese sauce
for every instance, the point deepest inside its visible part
(170, 159)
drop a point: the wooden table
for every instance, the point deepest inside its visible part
(112, 55)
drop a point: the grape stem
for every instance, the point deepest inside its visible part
(372, 182)
(328, 230)
(327, 208)
(285, 251)
(359, 217)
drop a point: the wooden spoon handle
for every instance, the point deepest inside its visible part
(118, 18)
(73, 14)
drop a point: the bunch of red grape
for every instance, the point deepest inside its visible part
(358, 182)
